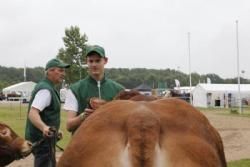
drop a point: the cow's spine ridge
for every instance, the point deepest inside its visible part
(143, 136)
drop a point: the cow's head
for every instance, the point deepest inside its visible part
(134, 95)
(126, 95)
(96, 102)
(12, 147)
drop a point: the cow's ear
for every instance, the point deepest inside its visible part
(4, 132)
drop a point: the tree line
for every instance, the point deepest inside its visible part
(130, 78)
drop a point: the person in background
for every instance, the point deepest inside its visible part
(44, 111)
(95, 84)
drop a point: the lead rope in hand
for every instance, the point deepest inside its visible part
(52, 146)
(52, 151)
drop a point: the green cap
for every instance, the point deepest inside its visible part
(56, 63)
(95, 48)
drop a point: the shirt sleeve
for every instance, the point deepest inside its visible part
(42, 99)
(71, 103)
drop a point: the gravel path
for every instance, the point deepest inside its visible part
(235, 133)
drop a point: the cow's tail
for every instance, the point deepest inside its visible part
(143, 137)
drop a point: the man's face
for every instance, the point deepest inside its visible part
(56, 74)
(96, 64)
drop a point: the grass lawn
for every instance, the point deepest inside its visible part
(228, 111)
(14, 114)
(240, 163)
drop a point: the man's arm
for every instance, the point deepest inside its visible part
(41, 101)
(73, 121)
(71, 107)
(37, 121)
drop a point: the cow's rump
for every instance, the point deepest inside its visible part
(161, 133)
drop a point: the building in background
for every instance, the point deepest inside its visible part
(220, 95)
(20, 91)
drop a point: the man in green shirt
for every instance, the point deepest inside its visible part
(96, 84)
(44, 111)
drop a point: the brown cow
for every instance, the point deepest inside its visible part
(160, 133)
(12, 147)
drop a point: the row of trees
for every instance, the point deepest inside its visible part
(73, 53)
(130, 78)
(11, 75)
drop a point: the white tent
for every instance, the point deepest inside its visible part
(184, 89)
(219, 95)
(23, 88)
(63, 92)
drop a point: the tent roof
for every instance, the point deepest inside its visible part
(22, 86)
(143, 87)
(224, 87)
(185, 89)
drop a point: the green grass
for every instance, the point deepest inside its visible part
(228, 111)
(14, 114)
(240, 163)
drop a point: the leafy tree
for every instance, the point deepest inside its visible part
(215, 78)
(195, 78)
(11, 75)
(73, 53)
(35, 74)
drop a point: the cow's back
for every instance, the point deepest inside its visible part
(163, 133)
(187, 137)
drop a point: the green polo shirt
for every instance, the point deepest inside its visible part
(88, 88)
(50, 115)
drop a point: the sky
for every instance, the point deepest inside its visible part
(149, 34)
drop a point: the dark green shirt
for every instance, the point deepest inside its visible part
(50, 115)
(88, 88)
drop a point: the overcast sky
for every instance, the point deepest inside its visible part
(134, 33)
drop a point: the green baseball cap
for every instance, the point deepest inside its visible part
(56, 63)
(95, 48)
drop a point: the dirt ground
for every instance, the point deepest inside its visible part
(235, 133)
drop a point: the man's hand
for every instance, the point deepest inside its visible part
(46, 131)
(88, 111)
(59, 135)
(95, 102)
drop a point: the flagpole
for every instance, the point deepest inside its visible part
(238, 66)
(24, 73)
(189, 69)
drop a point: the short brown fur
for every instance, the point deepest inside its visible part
(171, 124)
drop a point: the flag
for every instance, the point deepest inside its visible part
(177, 83)
(24, 73)
(208, 80)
